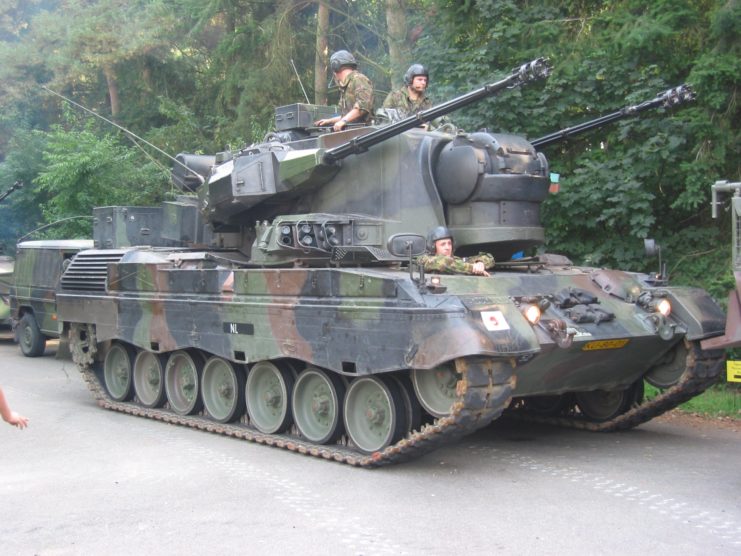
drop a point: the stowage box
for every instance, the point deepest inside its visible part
(293, 116)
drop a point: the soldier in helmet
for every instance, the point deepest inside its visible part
(356, 92)
(440, 258)
(411, 98)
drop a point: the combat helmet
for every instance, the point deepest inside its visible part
(342, 58)
(413, 71)
(436, 234)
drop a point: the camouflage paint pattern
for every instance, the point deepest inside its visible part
(404, 104)
(6, 279)
(39, 265)
(366, 321)
(356, 91)
(312, 281)
(454, 265)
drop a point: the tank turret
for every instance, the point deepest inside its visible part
(363, 183)
(315, 173)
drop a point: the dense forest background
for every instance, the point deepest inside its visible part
(204, 75)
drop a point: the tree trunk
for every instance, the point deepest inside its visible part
(110, 76)
(399, 51)
(322, 54)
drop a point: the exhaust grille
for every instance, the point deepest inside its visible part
(89, 269)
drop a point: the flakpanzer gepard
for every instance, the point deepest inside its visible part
(279, 302)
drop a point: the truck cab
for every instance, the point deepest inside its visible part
(38, 267)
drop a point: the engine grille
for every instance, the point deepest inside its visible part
(89, 269)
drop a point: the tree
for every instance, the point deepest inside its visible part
(399, 51)
(322, 53)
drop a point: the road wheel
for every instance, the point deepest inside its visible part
(603, 405)
(32, 341)
(149, 378)
(222, 390)
(182, 382)
(317, 405)
(268, 396)
(667, 372)
(435, 389)
(117, 372)
(374, 413)
(412, 407)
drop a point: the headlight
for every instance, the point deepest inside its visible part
(532, 313)
(663, 306)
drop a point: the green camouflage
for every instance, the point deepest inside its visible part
(404, 104)
(298, 318)
(39, 265)
(454, 265)
(356, 91)
(6, 279)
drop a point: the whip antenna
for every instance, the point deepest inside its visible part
(299, 82)
(126, 131)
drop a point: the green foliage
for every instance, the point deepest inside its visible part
(722, 400)
(20, 212)
(83, 170)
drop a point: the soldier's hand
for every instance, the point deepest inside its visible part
(480, 269)
(339, 125)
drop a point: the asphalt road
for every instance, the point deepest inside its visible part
(81, 480)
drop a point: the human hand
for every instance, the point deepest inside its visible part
(480, 269)
(17, 420)
(339, 125)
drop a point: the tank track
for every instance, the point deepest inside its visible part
(702, 370)
(484, 390)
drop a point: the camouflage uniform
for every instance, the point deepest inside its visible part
(454, 265)
(356, 91)
(401, 101)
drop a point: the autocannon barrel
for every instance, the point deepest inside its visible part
(669, 98)
(537, 69)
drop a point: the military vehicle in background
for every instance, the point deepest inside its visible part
(732, 336)
(280, 301)
(7, 264)
(32, 291)
(6, 278)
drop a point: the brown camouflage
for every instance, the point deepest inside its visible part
(356, 91)
(454, 265)
(404, 104)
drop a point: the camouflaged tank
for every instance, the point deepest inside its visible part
(281, 303)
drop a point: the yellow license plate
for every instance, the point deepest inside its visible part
(605, 344)
(733, 369)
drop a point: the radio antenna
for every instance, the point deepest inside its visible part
(126, 131)
(299, 82)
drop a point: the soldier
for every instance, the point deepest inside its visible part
(356, 92)
(440, 256)
(411, 98)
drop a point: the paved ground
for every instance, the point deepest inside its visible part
(81, 480)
